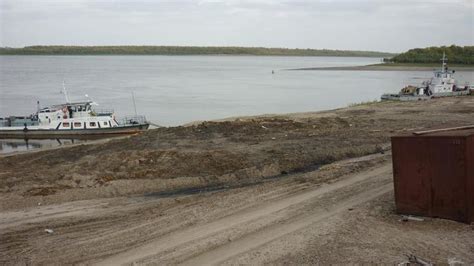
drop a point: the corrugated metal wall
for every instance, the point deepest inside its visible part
(433, 175)
(470, 178)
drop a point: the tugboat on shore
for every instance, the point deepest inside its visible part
(442, 84)
(70, 120)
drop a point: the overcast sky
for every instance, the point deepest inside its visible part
(391, 26)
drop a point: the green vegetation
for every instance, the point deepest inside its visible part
(180, 50)
(432, 55)
(364, 103)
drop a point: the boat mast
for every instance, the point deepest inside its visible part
(134, 104)
(65, 92)
(444, 59)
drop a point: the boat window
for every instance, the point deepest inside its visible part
(46, 117)
(77, 124)
(92, 124)
(65, 124)
(105, 124)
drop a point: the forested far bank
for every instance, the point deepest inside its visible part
(182, 50)
(455, 54)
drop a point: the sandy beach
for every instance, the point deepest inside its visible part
(273, 189)
(387, 67)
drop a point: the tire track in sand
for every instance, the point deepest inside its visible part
(260, 237)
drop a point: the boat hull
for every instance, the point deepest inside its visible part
(72, 133)
(401, 97)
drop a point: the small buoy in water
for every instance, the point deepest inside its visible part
(273, 71)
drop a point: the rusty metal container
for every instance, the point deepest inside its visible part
(434, 174)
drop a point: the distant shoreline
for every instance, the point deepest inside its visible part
(178, 55)
(184, 50)
(386, 67)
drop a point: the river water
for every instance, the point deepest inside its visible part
(172, 90)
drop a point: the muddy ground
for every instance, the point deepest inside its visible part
(279, 189)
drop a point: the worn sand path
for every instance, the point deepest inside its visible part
(43, 213)
(270, 212)
(252, 241)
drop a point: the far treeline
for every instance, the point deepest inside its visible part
(455, 55)
(181, 50)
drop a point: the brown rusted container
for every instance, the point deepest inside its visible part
(433, 174)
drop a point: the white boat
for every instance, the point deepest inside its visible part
(77, 119)
(442, 84)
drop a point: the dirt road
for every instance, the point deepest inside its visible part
(265, 222)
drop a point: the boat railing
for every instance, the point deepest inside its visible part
(3, 122)
(103, 112)
(132, 120)
(16, 121)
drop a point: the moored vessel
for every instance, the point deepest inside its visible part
(442, 84)
(70, 120)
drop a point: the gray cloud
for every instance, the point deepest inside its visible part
(333, 24)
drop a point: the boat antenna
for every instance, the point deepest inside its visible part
(134, 104)
(65, 91)
(444, 59)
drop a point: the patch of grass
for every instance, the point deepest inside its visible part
(364, 103)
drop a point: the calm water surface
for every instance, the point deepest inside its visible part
(23, 145)
(172, 90)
